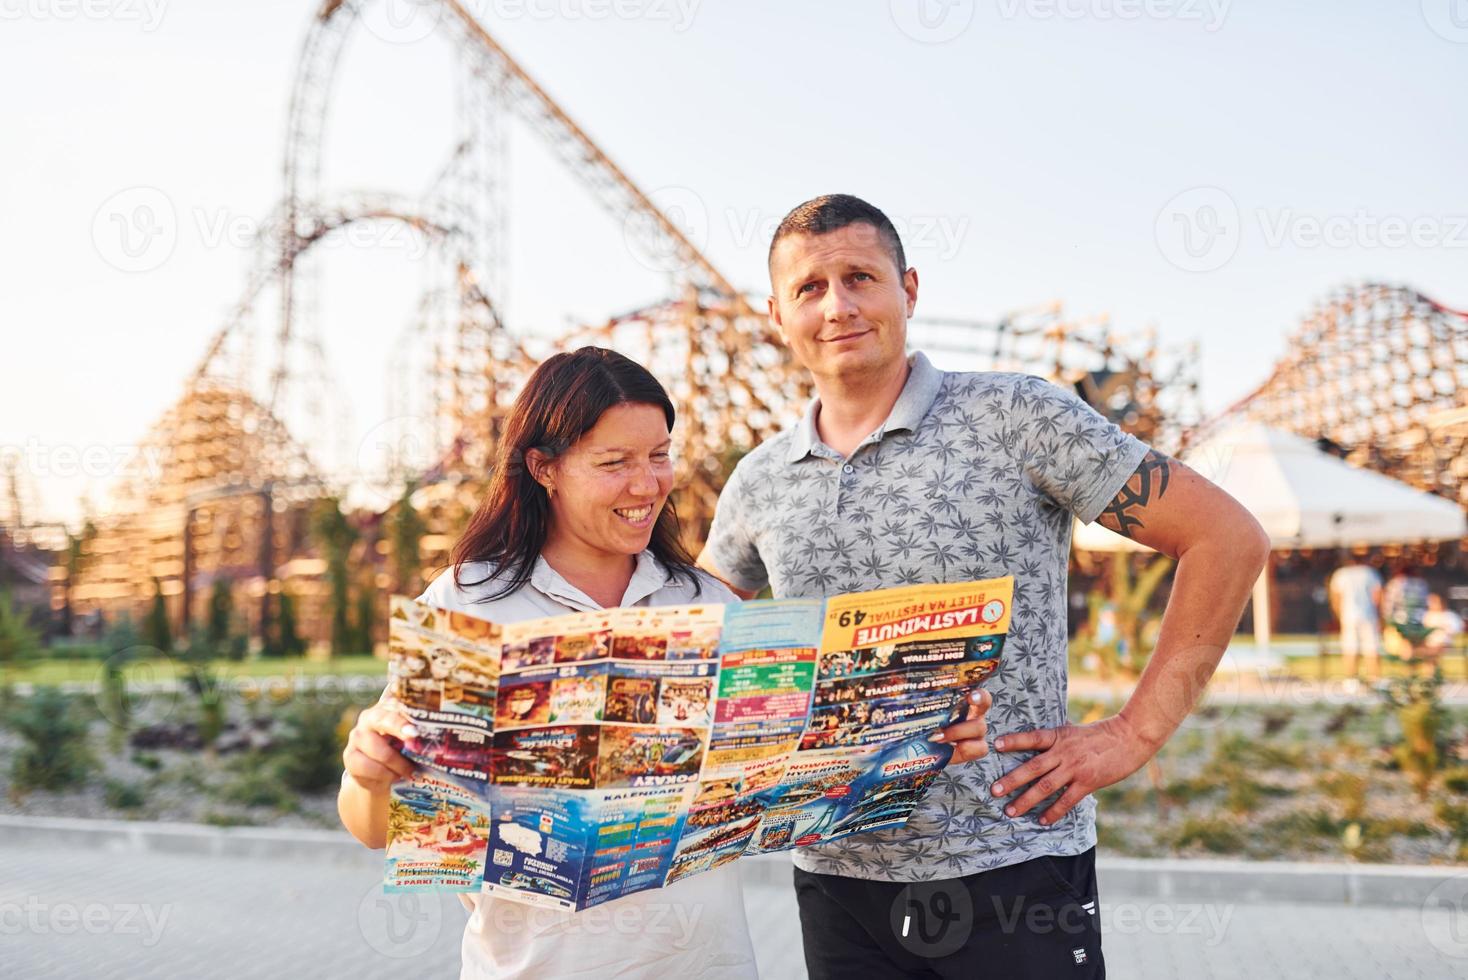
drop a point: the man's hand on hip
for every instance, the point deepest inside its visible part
(1079, 758)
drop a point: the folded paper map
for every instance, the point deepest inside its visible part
(572, 760)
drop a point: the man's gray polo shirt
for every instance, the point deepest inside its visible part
(972, 476)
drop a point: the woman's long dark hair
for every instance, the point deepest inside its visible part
(562, 401)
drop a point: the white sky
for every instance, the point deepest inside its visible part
(1038, 154)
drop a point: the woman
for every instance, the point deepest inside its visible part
(576, 519)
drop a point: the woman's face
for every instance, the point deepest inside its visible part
(611, 485)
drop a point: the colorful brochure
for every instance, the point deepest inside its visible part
(572, 760)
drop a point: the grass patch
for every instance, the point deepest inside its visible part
(216, 819)
(51, 672)
(1212, 834)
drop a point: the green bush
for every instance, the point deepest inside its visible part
(56, 752)
(71, 650)
(256, 783)
(124, 796)
(20, 643)
(211, 717)
(308, 755)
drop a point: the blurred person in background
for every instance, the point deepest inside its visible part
(1403, 608)
(1355, 596)
(1443, 625)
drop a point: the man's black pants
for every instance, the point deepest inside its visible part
(1036, 919)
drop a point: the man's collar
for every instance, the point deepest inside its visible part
(923, 382)
(648, 577)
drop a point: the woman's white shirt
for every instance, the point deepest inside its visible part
(695, 928)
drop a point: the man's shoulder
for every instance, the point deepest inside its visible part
(769, 455)
(994, 384)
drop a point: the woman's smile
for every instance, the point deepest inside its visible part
(638, 517)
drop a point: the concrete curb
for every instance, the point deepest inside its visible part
(129, 836)
(1166, 879)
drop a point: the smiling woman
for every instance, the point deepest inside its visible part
(576, 518)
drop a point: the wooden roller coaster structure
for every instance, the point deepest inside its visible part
(241, 449)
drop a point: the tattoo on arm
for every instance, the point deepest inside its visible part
(1148, 483)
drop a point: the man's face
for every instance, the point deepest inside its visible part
(840, 302)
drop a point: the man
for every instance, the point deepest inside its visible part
(1355, 595)
(900, 473)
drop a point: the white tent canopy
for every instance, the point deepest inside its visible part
(1305, 498)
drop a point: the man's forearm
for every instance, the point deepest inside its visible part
(1210, 587)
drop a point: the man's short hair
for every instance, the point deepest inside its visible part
(832, 212)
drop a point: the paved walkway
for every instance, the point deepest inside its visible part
(82, 913)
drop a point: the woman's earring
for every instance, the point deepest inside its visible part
(550, 490)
